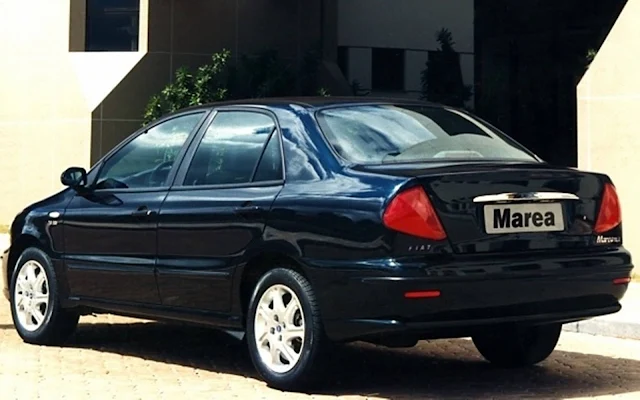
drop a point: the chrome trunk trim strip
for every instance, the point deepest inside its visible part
(531, 196)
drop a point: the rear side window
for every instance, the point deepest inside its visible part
(379, 134)
(230, 149)
(270, 167)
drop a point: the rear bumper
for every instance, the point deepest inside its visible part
(475, 293)
(354, 329)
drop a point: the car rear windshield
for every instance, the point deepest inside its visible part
(379, 134)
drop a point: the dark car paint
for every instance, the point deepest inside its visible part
(110, 245)
(193, 273)
(324, 217)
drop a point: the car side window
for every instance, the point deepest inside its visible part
(230, 149)
(148, 159)
(270, 167)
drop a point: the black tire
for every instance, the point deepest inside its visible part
(58, 324)
(518, 347)
(310, 363)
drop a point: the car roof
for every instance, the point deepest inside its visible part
(314, 102)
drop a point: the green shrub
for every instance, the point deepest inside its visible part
(591, 55)
(256, 76)
(442, 80)
(262, 75)
(209, 83)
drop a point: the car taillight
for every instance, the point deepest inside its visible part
(610, 215)
(411, 212)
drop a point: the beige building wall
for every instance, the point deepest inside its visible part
(61, 106)
(608, 107)
(47, 96)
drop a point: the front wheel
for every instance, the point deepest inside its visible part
(520, 346)
(285, 335)
(35, 303)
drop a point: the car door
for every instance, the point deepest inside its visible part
(110, 231)
(217, 210)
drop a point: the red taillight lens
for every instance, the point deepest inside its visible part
(424, 294)
(610, 215)
(411, 212)
(622, 281)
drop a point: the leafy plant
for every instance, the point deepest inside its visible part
(322, 92)
(441, 79)
(259, 76)
(309, 71)
(256, 76)
(356, 88)
(591, 55)
(208, 84)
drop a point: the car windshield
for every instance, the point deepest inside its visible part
(379, 134)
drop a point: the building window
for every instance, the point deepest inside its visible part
(112, 25)
(387, 69)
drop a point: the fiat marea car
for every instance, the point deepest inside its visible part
(294, 224)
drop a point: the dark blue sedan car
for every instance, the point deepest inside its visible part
(297, 223)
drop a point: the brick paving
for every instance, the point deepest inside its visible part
(118, 358)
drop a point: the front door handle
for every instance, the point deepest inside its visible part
(143, 211)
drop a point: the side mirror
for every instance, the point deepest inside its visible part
(74, 177)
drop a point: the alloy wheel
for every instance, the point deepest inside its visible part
(31, 295)
(279, 328)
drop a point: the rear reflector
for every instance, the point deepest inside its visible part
(411, 212)
(426, 294)
(610, 215)
(621, 281)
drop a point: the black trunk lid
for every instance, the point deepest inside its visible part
(509, 207)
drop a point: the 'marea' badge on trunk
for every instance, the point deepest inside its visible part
(517, 218)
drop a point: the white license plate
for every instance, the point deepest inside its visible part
(516, 218)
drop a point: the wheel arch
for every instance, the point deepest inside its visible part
(19, 245)
(257, 266)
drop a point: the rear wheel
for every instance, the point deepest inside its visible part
(519, 346)
(35, 303)
(285, 335)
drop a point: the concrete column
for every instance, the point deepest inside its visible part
(77, 25)
(608, 104)
(329, 21)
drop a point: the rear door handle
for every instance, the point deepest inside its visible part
(143, 211)
(249, 210)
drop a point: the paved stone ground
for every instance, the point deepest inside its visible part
(118, 358)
